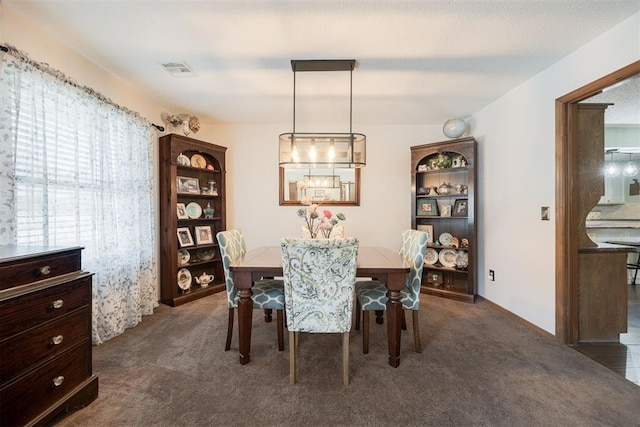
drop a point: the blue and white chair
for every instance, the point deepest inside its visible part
(372, 295)
(268, 294)
(319, 278)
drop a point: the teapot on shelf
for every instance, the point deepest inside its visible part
(204, 279)
(444, 189)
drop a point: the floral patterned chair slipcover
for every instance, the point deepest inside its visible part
(319, 279)
(372, 295)
(268, 294)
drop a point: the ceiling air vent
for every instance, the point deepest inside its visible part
(178, 69)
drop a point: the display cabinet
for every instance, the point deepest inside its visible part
(443, 204)
(192, 210)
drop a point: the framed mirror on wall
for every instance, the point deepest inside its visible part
(329, 186)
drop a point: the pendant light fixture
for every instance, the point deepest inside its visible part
(323, 150)
(631, 169)
(610, 168)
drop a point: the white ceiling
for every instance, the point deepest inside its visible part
(418, 62)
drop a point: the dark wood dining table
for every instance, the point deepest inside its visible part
(376, 262)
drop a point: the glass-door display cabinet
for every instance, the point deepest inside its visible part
(192, 210)
(443, 178)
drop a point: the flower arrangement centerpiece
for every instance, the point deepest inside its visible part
(318, 223)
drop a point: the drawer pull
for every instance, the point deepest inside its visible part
(45, 270)
(57, 339)
(57, 381)
(58, 303)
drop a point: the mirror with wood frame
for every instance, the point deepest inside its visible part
(322, 185)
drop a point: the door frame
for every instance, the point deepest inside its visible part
(567, 310)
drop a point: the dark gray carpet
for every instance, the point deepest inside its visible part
(479, 367)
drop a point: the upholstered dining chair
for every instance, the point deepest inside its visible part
(319, 277)
(372, 295)
(268, 294)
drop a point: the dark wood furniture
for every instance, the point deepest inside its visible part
(448, 209)
(203, 258)
(380, 263)
(602, 273)
(45, 334)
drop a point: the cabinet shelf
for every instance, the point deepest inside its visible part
(171, 146)
(449, 282)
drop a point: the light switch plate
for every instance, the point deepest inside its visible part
(544, 213)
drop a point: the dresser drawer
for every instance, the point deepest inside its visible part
(23, 351)
(20, 272)
(31, 309)
(22, 400)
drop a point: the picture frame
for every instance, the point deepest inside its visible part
(428, 228)
(182, 211)
(445, 211)
(318, 193)
(204, 235)
(427, 207)
(460, 208)
(184, 237)
(188, 185)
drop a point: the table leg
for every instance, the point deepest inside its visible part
(245, 316)
(394, 323)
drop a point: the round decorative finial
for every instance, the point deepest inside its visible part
(454, 128)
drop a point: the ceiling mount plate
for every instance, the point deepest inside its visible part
(322, 65)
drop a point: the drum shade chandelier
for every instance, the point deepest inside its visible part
(323, 150)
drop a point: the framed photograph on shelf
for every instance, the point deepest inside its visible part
(427, 207)
(185, 184)
(460, 207)
(204, 236)
(427, 229)
(184, 237)
(445, 211)
(182, 211)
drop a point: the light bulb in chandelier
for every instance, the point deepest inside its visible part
(630, 169)
(312, 152)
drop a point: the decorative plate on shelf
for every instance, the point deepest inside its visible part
(447, 258)
(183, 256)
(183, 160)
(194, 210)
(431, 256)
(184, 279)
(198, 161)
(444, 239)
(205, 254)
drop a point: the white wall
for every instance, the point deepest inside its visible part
(516, 137)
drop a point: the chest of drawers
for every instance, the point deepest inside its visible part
(45, 334)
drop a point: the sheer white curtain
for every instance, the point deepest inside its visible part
(76, 169)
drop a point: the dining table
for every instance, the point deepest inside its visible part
(379, 263)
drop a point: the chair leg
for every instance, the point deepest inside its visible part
(365, 331)
(280, 325)
(416, 331)
(379, 317)
(292, 357)
(358, 310)
(345, 358)
(267, 315)
(227, 346)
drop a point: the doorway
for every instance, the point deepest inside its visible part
(567, 312)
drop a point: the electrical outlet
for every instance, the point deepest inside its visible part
(492, 275)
